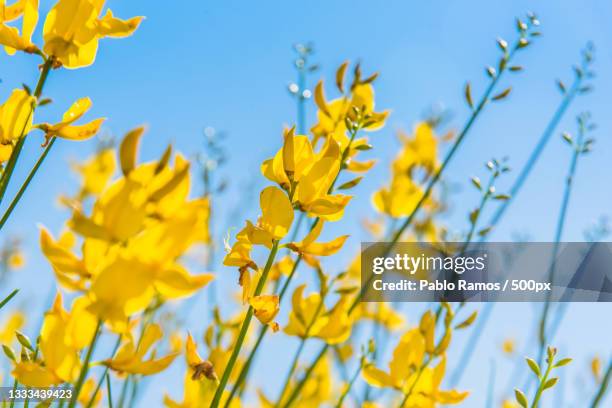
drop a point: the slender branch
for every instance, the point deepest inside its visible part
(85, 368)
(8, 298)
(558, 235)
(602, 388)
(104, 374)
(26, 183)
(243, 330)
(349, 386)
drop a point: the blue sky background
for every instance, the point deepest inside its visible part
(227, 64)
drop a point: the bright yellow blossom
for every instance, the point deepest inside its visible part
(67, 130)
(309, 318)
(15, 117)
(73, 28)
(130, 357)
(61, 338)
(10, 36)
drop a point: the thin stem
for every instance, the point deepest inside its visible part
(15, 383)
(26, 183)
(434, 180)
(470, 347)
(108, 390)
(349, 386)
(296, 391)
(8, 298)
(416, 380)
(292, 368)
(243, 330)
(558, 235)
(104, 373)
(603, 387)
(85, 368)
(538, 394)
(539, 148)
(299, 351)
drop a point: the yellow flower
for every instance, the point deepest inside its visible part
(316, 392)
(73, 28)
(16, 259)
(508, 346)
(380, 313)
(14, 322)
(66, 130)
(313, 191)
(266, 308)
(332, 115)
(292, 160)
(308, 245)
(15, 117)
(309, 318)
(60, 342)
(130, 357)
(509, 404)
(596, 368)
(407, 372)
(89, 386)
(96, 172)
(312, 175)
(10, 36)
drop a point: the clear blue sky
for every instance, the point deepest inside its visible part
(227, 64)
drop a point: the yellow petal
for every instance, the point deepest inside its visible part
(129, 149)
(265, 307)
(80, 132)
(277, 212)
(376, 377)
(191, 352)
(16, 116)
(109, 26)
(175, 281)
(33, 375)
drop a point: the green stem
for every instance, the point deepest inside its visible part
(108, 391)
(243, 330)
(603, 387)
(26, 183)
(85, 368)
(558, 235)
(104, 373)
(8, 298)
(15, 383)
(299, 351)
(349, 386)
(296, 391)
(416, 380)
(543, 380)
